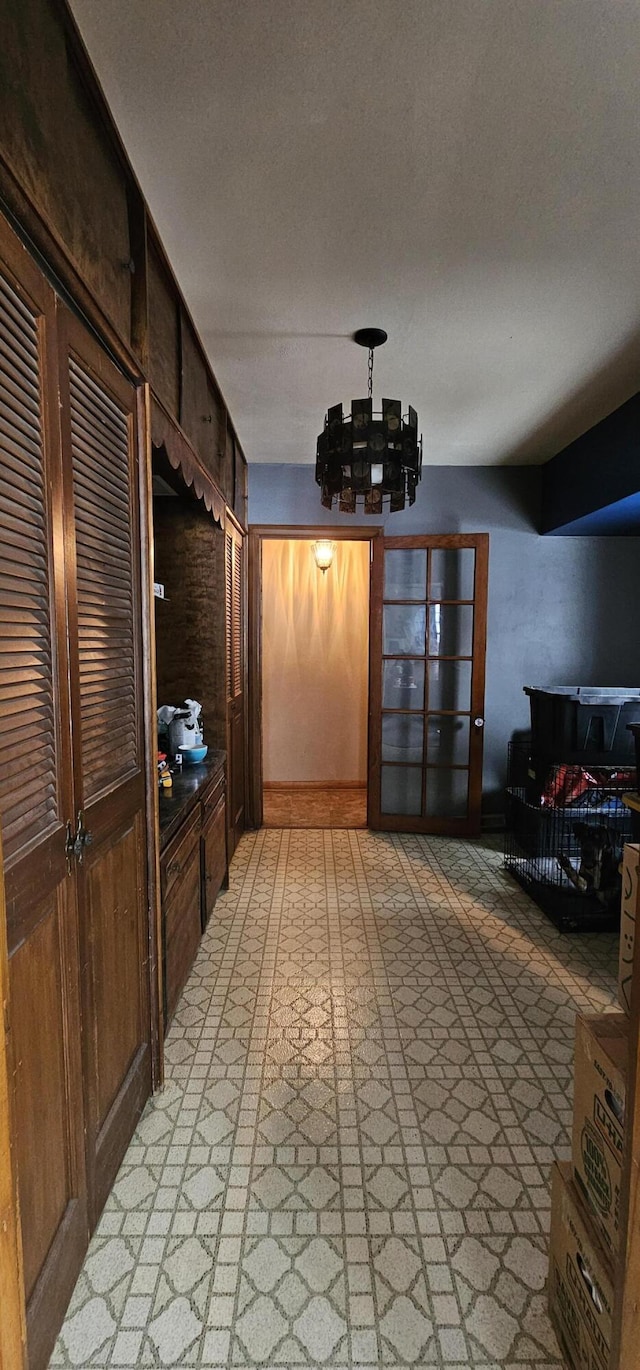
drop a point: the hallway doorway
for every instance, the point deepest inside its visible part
(315, 684)
(426, 628)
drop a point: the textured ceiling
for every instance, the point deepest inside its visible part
(463, 173)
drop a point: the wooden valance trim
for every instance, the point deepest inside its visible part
(166, 434)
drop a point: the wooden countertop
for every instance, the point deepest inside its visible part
(188, 788)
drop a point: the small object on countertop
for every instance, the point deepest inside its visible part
(192, 755)
(181, 726)
(177, 761)
(165, 779)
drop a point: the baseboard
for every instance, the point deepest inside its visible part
(493, 822)
(314, 785)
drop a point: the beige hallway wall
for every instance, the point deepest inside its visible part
(315, 662)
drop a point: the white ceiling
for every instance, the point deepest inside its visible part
(463, 173)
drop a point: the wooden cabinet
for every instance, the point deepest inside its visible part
(241, 487)
(180, 884)
(36, 798)
(12, 1322)
(202, 413)
(193, 867)
(79, 203)
(214, 857)
(164, 329)
(71, 770)
(99, 429)
(64, 151)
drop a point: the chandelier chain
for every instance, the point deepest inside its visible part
(370, 373)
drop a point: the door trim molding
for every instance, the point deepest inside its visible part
(257, 534)
(150, 705)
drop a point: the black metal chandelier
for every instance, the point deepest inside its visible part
(369, 457)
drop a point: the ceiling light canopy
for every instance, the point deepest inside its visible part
(369, 457)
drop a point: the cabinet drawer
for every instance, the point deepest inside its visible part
(213, 797)
(174, 860)
(214, 858)
(181, 927)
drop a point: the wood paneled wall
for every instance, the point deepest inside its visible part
(78, 200)
(61, 153)
(164, 334)
(190, 622)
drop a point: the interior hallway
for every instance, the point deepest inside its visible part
(314, 806)
(368, 1077)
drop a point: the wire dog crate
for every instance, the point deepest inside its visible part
(565, 849)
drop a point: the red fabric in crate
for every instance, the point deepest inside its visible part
(566, 784)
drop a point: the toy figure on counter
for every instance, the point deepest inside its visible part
(165, 779)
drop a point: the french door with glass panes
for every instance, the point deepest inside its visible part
(426, 720)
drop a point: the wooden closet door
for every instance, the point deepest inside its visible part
(100, 452)
(36, 799)
(236, 690)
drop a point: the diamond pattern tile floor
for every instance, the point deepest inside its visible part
(368, 1077)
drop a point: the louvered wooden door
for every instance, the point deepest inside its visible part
(36, 799)
(236, 692)
(101, 509)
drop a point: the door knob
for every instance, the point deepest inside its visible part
(478, 722)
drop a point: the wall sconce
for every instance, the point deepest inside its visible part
(323, 552)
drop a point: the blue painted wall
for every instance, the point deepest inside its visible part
(562, 610)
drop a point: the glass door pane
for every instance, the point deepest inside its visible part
(447, 793)
(402, 737)
(452, 573)
(405, 574)
(404, 630)
(401, 790)
(450, 685)
(448, 740)
(403, 684)
(450, 629)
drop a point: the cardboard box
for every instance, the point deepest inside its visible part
(629, 911)
(600, 1082)
(580, 1279)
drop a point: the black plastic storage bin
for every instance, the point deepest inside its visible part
(582, 725)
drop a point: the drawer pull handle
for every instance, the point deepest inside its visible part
(174, 868)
